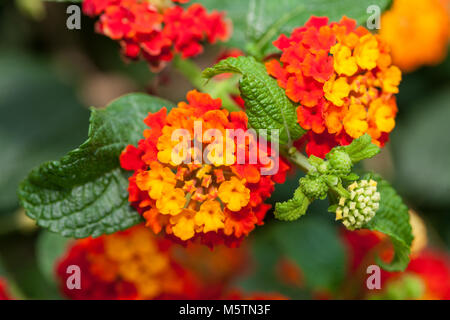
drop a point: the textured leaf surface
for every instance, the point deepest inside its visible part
(361, 148)
(252, 18)
(85, 193)
(293, 208)
(266, 104)
(392, 219)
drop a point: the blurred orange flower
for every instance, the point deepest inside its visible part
(417, 31)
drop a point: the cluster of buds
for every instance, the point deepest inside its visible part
(361, 206)
(326, 173)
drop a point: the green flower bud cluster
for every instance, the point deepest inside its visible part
(326, 174)
(340, 163)
(314, 187)
(361, 206)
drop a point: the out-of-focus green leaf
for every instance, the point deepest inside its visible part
(33, 8)
(316, 248)
(24, 276)
(49, 248)
(253, 18)
(86, 192)
(264, 277)
(392, 219)
(41, 119)
(312, 243)
(421, 147)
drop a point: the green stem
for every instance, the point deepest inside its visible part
(190, 71)
(340, 191)
(188, 199)
(299, 159)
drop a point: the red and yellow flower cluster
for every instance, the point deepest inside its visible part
(219, 202)
(136, 265)
(132, 264)
(156, 29)
(4, 293)
(342, 79)
(431, 267)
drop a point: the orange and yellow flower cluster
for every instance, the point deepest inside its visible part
(342, 79)
(126, 265)
(417, 31)
(135, 265)
(215, 201)
(156, 29)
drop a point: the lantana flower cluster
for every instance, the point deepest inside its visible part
(342, 79)
(429, 267)
(417, 31)
(361, 206)
(132, 264)
(215, 198)
(137, 265)
(157, 29)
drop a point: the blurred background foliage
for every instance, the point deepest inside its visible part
(50, 75)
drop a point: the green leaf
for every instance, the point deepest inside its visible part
(50, 248)
(266, 104)
(266, 255)
(251, 19)
(292, 209)
(422, 151)
(41, 119)
(408, 287)
(392, 219)
(85, 193)
(12, 288)
(314, 245)
(332, 208)
(361, 148)
(351, 177)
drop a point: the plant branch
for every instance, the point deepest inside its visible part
(299, 159)
(189, 70)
